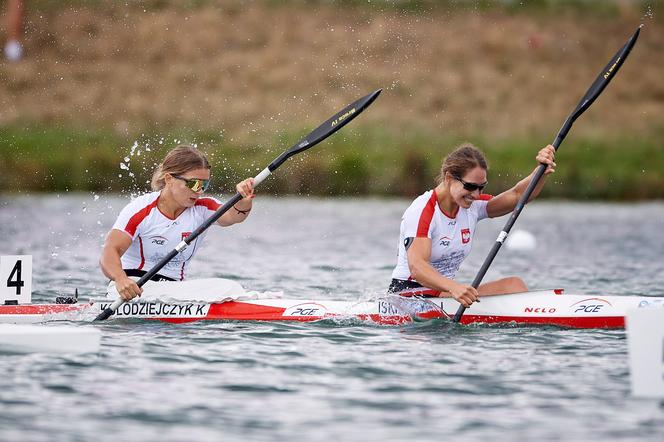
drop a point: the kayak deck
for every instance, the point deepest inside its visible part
(546, 307)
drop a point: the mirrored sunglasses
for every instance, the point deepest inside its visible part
(195, 184)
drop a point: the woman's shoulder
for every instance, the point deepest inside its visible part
(135, 211)
(425, 203)
(422, 200)
(424, 197)
(478, 207)
(145, 197)
(143, 200)
(482, 200)
(208, 202)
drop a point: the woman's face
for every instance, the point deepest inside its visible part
(459, 186)
(180, 186)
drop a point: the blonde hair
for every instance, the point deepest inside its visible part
(462, 159)
(178, 161)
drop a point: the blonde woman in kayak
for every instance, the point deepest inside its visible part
(437, 229)
(150, 226)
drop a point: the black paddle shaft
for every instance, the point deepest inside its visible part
(330, 126)
(591, 95)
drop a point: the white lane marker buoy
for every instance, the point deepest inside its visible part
(521, 240)
(645, 342)
(23, 338)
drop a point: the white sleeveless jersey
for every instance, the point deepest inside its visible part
(154, 235)
(451, 235)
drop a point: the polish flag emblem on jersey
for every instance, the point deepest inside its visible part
(465, 236)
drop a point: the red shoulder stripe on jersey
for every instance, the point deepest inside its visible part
(426, 216)
(138, 217)
(209, 203)
(485, 197)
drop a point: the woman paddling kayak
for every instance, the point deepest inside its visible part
(150, 226)
(437, 229)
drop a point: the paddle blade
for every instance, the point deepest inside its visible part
(330, 126)
(606, 75)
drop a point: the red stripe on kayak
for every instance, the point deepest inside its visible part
(571, 322)
(242, 311)
(41, 309)
(247, 311)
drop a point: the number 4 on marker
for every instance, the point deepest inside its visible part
(16, 273)
(15, 279)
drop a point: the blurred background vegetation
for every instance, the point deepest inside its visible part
(106, 88)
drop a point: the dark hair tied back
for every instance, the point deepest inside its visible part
(463, 158)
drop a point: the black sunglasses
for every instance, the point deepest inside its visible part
(471, 187)
(195, 184)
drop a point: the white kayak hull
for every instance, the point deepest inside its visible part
(546, 307)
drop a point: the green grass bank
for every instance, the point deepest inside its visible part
(360, 160)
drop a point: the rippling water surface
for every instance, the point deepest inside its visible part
(334, 381)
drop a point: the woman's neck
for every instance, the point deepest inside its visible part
(445, 200)
(168, 206)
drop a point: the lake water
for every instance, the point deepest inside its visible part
(329, 381)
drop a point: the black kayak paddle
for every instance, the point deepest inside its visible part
(593, 92)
